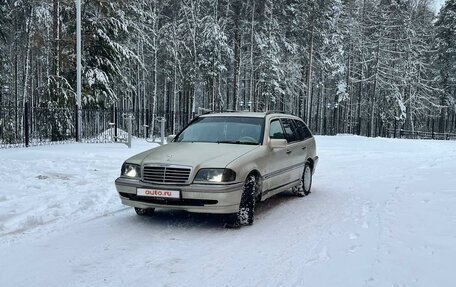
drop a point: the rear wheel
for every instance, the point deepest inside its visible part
(305, 184)
(246, 213)
(144, 211)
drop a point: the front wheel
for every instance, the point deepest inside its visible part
(305, 184)
(246, 213)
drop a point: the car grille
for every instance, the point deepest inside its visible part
(165, 174)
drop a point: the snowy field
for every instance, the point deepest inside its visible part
(382, 213)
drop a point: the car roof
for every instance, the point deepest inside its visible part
(249, 114)
(237, 114)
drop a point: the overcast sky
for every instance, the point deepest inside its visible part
(438, 4)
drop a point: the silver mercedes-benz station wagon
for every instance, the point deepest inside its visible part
(222, 163)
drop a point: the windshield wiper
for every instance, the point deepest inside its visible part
(249, 143)
(237, 142)
(226, 142)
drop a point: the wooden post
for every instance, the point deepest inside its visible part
(26, 124)
(115, 122)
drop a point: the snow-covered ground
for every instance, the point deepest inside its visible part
(382, 213)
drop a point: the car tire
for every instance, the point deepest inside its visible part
(305, 184)
(144, 211)
(246, 214)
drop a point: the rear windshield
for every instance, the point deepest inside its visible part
(231, 130)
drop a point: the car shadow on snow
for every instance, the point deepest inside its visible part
(183, 219)
(274, 203)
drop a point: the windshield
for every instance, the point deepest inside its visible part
(232, 130)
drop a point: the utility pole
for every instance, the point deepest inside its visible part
(78, 70)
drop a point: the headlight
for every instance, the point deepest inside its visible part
(215, 175)
(131, 170)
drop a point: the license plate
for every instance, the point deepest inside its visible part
(148, 192)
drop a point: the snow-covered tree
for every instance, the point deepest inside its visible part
(352, 66)
(445, 59)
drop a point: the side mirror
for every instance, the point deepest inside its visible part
(278, 143)
(170, 138)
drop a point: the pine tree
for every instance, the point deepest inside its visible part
(445, 59)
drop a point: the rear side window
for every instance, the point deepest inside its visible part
(276, 131)
(302, 130)
(290, 130)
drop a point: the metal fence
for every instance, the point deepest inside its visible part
(408, 134)
(23, 126)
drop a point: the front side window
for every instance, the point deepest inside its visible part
(276, 131)
(232, 130)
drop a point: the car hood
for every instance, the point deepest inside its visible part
(194, 154)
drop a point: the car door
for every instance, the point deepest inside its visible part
(296, 149)
(276, 175)
(308, 143)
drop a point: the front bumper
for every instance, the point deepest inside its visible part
(201, 198)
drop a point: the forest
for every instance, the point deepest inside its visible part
(363, 67)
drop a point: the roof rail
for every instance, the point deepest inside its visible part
(208, 111)
(275, 112)
(204, 111)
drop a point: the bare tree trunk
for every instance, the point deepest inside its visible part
(238, 97)
(165, 97)
(215, 105)
(322, 106)
(154, 99)
(360, 92)
(359, 106)
(244, 89)
(175, 77)
(372, 120)
(251, 57)
(143, 85)
(195, 58)
(56, 41)
(16, 79)
(213, 94)
(219, 91)
(48, 61)
(309, 75)
(237, 53)
(137, 106)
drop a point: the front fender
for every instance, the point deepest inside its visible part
(251, 162)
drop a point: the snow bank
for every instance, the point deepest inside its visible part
(53, 185)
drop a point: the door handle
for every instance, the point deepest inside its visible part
(304, 147)
(289, 151)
